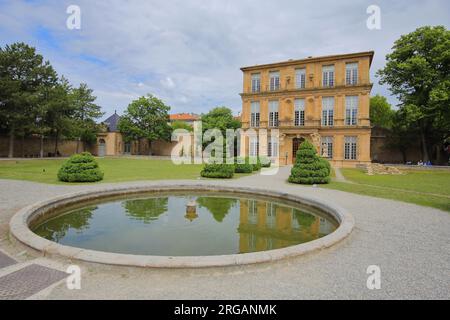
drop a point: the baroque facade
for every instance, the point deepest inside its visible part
(322, 99)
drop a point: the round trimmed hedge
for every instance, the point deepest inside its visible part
(309, 168)
(80, 168)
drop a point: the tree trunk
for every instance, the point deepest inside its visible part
(425, 155)
(403, 152)
(78, 144)
(11, 143)
(438, 154)
(41, 153)
(23, 146)
(56, 143)
(149, 147)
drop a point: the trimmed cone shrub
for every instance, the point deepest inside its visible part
(80, 168)
(309, 168)
(218, 170)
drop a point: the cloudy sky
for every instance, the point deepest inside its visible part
(189, 52)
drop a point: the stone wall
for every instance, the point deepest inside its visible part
(380, 153)
(30, 147)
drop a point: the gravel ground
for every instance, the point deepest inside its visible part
(410, 243)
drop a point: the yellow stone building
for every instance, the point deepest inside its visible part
(322, 99)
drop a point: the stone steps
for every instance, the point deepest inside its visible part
(378, 168)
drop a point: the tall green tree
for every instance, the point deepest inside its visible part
(418, 73)
(23, 73)
(146, 118)
(59, 111)
(221, 118)
(85, 112)
(381, 113)
(181, 125)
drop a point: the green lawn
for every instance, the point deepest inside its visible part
(424, 187)
(115, 169)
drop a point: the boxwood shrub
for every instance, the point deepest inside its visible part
(265, 162)
(80, 168)
(254, 162)
(218, 170)
(309, 168)
(240, 166)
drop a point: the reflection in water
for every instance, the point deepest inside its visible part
(171, 225)
(218, 207)
(147, 209)
(267, 225)
(77, 221)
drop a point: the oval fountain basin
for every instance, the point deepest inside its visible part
(185, 223)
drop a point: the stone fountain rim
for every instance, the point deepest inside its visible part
(19, 228)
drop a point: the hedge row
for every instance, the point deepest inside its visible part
(216, 170)
(241, 165)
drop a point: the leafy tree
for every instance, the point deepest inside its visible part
(181, 125)
(85, 112)
(418, 73)
(146, 117)
(220, 118)
(59, 111)
(381, 113)
(23, 73)
(401, 135)
(309, 168)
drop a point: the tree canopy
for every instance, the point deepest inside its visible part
(146, 118)
(35, 100)
(220, 118)
(381, 112)
(418, 73)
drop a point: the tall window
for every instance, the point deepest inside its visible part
(351, 73)
(327, 111)
(350, 148)
(273, 113)
(254, 147)
(300, 78)
(327, 147)
(272, 147)
(351, 110)
(252, 212)
(274, 83)
(271, 215)
(254, 114)
(328, 76)
(299, 112)
(256, 82)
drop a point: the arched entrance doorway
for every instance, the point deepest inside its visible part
(295, 145)
(101, 147)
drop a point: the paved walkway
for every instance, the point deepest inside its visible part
(410, 243)
(339, 177)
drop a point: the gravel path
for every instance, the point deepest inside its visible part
(339, 177)
(410, 243)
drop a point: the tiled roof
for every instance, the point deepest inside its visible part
(184, 117)
(112, 122)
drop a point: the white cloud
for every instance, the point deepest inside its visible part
(189, 53)
(168, 83)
